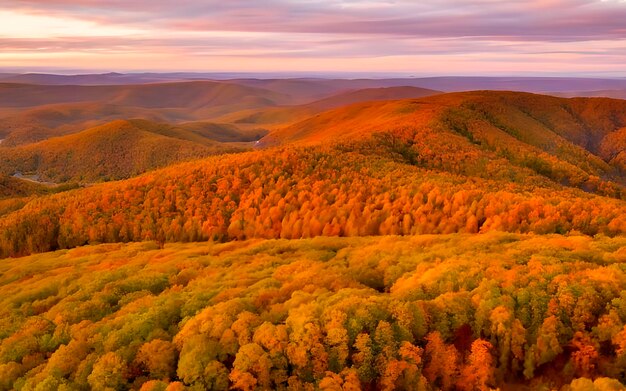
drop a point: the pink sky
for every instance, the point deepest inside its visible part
(422, 37)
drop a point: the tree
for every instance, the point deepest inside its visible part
(153, 385)
(404, 373)
(109, 372)
(252, 365)
(216, 376)
(548, 345)
(159, 358)
(441, 361)
(586, 355)
(478, 373)
(363, 358)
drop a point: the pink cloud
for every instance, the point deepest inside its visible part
(559, 20)
(486, 32)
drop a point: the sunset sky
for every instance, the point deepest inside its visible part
(422, 37)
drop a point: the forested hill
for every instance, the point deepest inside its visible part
(116, 150)
(450, 312)
(458, 242)
(576, 142)
(305, 192)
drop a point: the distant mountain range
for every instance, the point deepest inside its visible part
(581, 85)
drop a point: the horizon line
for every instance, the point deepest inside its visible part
(315, 74)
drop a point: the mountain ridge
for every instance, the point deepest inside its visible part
(116, 150)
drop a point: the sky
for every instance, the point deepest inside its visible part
(419, 37)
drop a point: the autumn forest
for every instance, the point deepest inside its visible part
(309, 234)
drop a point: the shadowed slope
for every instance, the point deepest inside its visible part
(223, 132)
(191, 95)
(372, 94)
(116, 150)
(285, 115)
(13, 187)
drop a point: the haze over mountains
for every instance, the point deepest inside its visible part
(444, 83)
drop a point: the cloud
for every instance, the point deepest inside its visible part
(510, 31)
(558, 20)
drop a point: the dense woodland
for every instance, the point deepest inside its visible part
(450, 312)
(573, 142)
(299, 193)
(466, 242)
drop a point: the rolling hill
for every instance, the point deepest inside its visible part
(116, 150)
(571, 141)
(372, 94)
(300, 192)
(31, 113)
(79, 79)
(17, 192)
(319, 88)
(500, 149)
(612, 93)
(466, 241)
(42, 122)
(15, 188)
(275, 117)
(191, 95)
(23, 125)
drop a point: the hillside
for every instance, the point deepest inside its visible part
(47, 121)
(470, 162)
(537, 312)
(613, 149)
(575, 142)
(223, 132)
(308, 192)
(116, 150)
(30, 113)
(14, 188)
(312, 88)
(110, 78)
(319, 88)
(613, 93)
(25, 126)
(587, 120)
(190, 95)
(276, 117)
(372, 94)
(466, 241)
